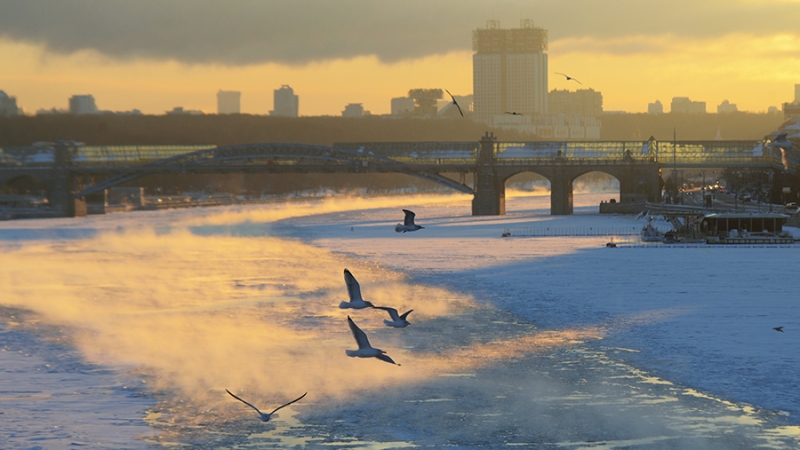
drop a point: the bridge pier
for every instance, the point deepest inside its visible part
(560, 194)
(490, 189)
(62, 184)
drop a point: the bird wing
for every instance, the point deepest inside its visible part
(455, 102)
(248, 404)
(405, 314)
(392, 312)
(360, 336)
(287, 404)
(409, 219)
(385, 357)
(353, 288)
(781, 137)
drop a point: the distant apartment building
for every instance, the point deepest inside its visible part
(683, 105)
(286, 103)
(402, 106)
(655, 108)
(584, 102)
(8, 105)
(792, 110)
(726, 107)
(82, 104)
(353, 110)
(509, 71)
(229, 102)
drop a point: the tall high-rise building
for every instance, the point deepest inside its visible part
(228, 102)
(286, 104)
(82, 104)
(509, 70)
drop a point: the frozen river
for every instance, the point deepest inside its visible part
(124, 330)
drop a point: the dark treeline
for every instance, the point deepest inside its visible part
(248, 129)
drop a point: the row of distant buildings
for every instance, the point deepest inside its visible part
(510, 90)
(683, 105)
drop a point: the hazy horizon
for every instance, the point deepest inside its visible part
(154, 56)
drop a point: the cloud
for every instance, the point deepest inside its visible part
(304, 31)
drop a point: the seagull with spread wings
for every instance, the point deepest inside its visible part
(398, 321)
(364, 349)
(408, 223)
(264, 416)
(354, 292)
(569, 78)
(455, 102)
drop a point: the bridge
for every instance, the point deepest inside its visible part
(74, 172)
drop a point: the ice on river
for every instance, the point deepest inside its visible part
(124, 330)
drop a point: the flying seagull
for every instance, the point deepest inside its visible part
(364, 349)
(569, 77)
(408, 223)
(264, 416)
(397, 320)
(781, 142)
(455, 102)
(354, 292)
(779, 329)
(513, 113)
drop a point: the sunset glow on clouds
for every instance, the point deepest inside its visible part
(137, 56)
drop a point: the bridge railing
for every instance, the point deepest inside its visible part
(36, 155)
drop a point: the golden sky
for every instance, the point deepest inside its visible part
(135, 55)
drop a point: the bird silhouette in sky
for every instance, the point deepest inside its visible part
(264, 416)
(514, 113)
(778, 329)
(455, 102)
(569, 77)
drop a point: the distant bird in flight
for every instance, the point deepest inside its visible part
(397, 321)
(364, 349)
(568, 77)
(455, 102)
(354, 292)
(781, 142)
(408, 223)
(778, 329)
(264, 416)
(514, 113)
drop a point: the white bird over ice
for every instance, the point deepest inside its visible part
(354, 292)
(364, 349)
(397, 321)
(408, 223)
(264, 416)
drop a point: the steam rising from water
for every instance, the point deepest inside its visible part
(214, 302)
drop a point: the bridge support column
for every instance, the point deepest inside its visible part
(490, 190)
(639, 185)
(560, 196)
(61, 197)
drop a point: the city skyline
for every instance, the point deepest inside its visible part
(741, 51)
